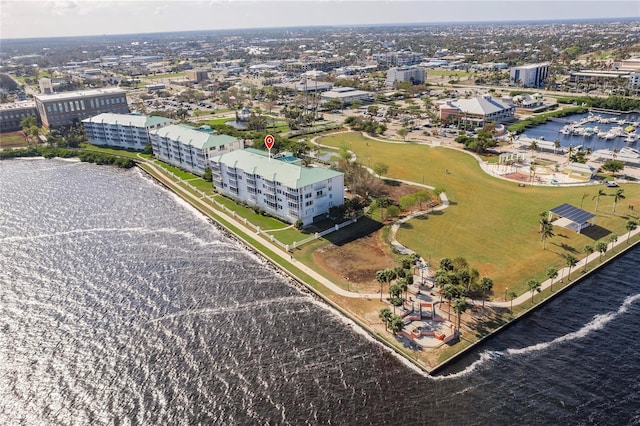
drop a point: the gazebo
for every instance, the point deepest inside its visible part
(570, 217)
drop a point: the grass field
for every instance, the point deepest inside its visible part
(491, 222)
(12, 140)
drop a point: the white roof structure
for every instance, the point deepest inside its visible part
(480, 105)
(132, 120)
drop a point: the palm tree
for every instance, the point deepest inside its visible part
(460, 306)
(385, 316)
(571, 262)
(613, 239)
(532, 173)
(552, 274)
(588, 250)
(617, 196)
(556, 145)
(597, 197)
(486, 285)
(547, 232)
(631, 226)
(601, 246)
(450, 292)
(512, 295)
(397, 323)
(533, 286)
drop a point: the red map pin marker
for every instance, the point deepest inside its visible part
(268, 141)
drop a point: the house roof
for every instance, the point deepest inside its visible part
(80, 94)
(290, 175)
(189, 136)
(127, 120)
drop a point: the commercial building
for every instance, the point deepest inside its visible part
(190, 148)
(122, 130)
(11, 114)
(634, 82)
(476, 112)
(62, 109)
(531, 75)
(288, 191)
(197, 75)
(413, 74)
(346, 95)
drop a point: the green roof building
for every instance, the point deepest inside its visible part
(190, 148)
(288, 191)
(122, 130)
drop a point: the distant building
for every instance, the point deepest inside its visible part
(197, 75)
(598, 77)
(62, 109)
(531, 75)
(413, 74)
(305, 85)
(400, 58)
(11, 114)
(631, 65)
(288, 191)
(634, 82)
(476, 111)
(190, 148)
(122, 130)
(347, 95)
(46, 86)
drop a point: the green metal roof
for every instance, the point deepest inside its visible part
(128, 119)
(190, 136)
(290, 175)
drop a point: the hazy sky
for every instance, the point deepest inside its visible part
(28, 18)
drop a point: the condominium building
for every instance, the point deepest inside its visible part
(531, 75)
(476, 111)
(413, 74)
(11, 114)
(634, 82)
(122, 130)
(288, 191)
(62, 109)
(189, 148)
(400, 58)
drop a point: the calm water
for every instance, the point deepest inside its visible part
(550, 131)
(121, 305)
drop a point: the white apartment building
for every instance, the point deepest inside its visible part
(531, 75)
(122, 130)
(634, 82)
(189, 148)
(414, 74)
(399, 58)
(285, 190)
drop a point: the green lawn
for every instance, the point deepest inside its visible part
(171, 75)
(491, 222)
(114, 151)
(12, 140)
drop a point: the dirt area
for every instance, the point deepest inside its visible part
(12, 140)
(357, 261)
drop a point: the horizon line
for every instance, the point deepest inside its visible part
(363, 25)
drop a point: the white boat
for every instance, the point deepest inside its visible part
(629, 151)
(602, 134)
(610, 136)
(617, 131)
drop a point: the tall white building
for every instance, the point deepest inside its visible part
(288, 191)
(122, 130)
(530, 75)
(189, 148)
(399, 58)
(413, 74)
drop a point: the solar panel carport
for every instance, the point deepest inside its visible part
(570, 217)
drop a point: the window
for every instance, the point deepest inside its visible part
(308, 203)
(307, 195)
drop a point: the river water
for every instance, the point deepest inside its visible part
(119, 305)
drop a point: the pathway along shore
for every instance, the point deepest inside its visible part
(297, 270)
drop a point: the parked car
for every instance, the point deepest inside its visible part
(612, 184)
